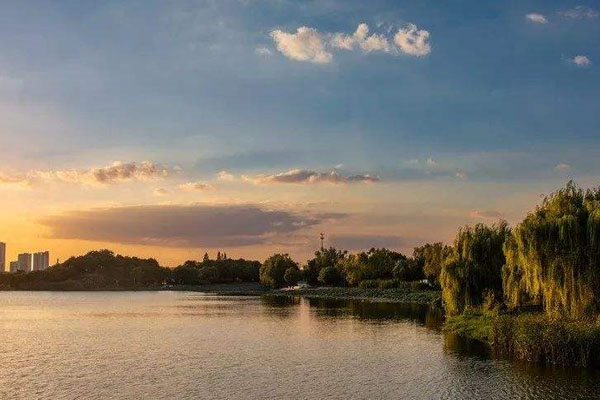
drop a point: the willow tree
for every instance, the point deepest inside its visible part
(553, 256)
(474, 266)
(431, 256)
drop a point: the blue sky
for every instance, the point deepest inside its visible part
(499, 98)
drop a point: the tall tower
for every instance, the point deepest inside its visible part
(2, 257)
(24, 260)
(41, 260)
(322, 236)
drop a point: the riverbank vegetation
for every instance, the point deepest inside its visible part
(399, 294)
(532, 292)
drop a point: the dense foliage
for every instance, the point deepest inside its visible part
(292, 276)
(553, 256)
(323, 258)
(431, 257)
(474, 267)
(221, 270)
(273, 270)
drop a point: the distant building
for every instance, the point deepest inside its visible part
(41, 260)
(2, 257)
(24, 261)
(14, 266)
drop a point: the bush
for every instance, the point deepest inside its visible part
(369, 284)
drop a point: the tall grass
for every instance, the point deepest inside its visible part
(537, 338)
(533, 337)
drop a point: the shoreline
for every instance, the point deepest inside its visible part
(396, 295)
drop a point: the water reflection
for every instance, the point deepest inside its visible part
(188, 345)
(374, 312)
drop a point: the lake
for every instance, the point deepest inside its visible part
(186, 345)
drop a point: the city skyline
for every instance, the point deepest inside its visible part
(26, 261)
(250, 126)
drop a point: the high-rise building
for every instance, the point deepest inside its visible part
(24, 261)
(2, 257)
(14, 266)
(41, 260)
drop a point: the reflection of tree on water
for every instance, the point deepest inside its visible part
(459, 345)
(372, 311)
(280, 301)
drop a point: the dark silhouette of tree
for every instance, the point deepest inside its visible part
(292, 276)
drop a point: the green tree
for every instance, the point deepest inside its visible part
(273, 270)
(353, 267)
(330, 276)
(474, 268)
(408, 270)
(292, 276)
(553, 255)
(431, 256)
(322, 259)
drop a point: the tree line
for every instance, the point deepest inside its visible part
(104, 269)
(378, 267)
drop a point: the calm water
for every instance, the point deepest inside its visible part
(178, 345)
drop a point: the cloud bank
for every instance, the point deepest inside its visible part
(310, 177)
(181, 225)
(309, 45)
(117, 172)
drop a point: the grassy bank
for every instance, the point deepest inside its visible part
(225, 289)
(396, 295)
(533, 337)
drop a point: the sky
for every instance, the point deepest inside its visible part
(169, 129)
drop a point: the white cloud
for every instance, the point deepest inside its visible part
(195, 186)
(360, 38)
(306, 44)
(225, 176)
(263, 51)
(580, 12)
(581, 61)
(537, 18)
(413, 41)
(310, 177)
(562, 167)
